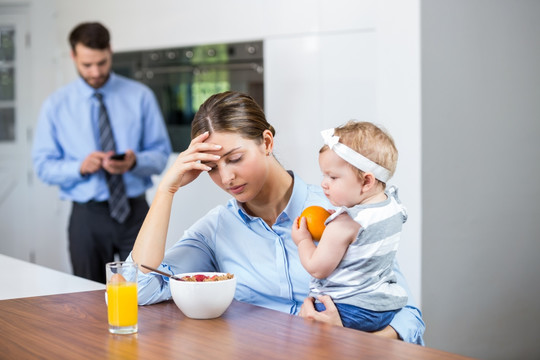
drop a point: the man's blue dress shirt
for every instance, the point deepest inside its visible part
(67, 132)
(264, 259)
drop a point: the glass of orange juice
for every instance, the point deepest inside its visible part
(122, 302)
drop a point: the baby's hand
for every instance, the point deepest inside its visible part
(299, 231)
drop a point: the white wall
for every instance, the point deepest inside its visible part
(481, 176)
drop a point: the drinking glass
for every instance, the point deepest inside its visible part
(122, 303)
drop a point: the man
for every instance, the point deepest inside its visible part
(99, 139)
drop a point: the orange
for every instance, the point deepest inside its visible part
(315, 218)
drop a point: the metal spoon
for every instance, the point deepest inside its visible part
(162, 273)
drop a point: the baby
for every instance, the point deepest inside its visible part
(353, 261)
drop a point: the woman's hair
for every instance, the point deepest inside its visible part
(90, 34)
(370, 141)
(233, 112)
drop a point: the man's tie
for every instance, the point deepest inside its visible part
(118, 202)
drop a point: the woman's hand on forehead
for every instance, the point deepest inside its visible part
(190, 163)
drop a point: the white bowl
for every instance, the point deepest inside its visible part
(203, 300)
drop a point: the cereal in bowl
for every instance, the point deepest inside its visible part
(201, 277)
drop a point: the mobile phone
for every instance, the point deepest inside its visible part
(118, 156)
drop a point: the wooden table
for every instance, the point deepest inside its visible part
(74, 326)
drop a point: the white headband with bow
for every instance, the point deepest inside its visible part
(352, 157)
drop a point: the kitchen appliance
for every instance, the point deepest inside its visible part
(183, 78)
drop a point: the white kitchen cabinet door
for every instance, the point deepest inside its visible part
(15, 136)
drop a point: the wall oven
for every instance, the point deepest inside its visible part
(183, 78)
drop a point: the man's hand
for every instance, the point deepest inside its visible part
(329, 316)
(92, 163)
(119, 166)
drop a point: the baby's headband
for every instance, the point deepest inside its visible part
(352, 157)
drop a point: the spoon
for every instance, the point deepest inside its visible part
(162, 273)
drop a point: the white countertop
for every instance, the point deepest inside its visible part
(19, 279)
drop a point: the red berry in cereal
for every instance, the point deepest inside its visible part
(200, 277)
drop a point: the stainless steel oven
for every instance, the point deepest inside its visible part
(183, 78)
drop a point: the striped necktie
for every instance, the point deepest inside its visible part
(118, 202)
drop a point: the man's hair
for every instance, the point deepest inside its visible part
(90, 34)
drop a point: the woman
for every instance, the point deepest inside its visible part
(251, 235)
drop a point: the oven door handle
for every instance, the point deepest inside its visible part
(201, 68)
